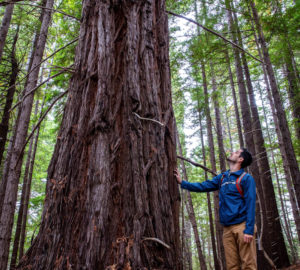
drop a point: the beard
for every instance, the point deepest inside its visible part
(230, 160)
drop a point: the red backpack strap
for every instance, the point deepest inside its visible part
(238, 184)
(222, 179)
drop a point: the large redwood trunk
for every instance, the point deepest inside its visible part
(112, 201)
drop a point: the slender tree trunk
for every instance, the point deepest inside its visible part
(220, 248)
(236, 108)
(276, 172)
(281, 147)
(228, 122)
(12, 142)
(27, 194)
(22, 202)
(291, 75)
(222, 156)
(282, 121)
(4, 125)
(294, 94)
(28, 186)
(247, 124)
(188, 251)
(7, 214)
(274, 230)
(191, 212)
(220, 261)
(112, 201)
(5, 26)
(210, 215)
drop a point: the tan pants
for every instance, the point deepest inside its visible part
(239, 255)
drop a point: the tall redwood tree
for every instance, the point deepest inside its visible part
(112, 201)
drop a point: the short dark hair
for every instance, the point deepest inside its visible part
(246, 155)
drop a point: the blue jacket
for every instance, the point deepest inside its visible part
(234, 208)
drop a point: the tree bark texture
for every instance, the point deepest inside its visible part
(112, 201)
(5, 26)
(9, 204)
(282, 121)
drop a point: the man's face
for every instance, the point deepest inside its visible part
(234, 157)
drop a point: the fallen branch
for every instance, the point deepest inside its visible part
(198, 165)
(39, 122)
(215, 33)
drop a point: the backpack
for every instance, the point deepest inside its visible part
(237, 183)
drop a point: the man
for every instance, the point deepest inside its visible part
(237, 209)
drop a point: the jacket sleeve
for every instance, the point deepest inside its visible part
(206, 186)
(249, 189)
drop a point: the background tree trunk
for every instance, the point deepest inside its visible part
(273, 230)
(4, 125)
(191, 212)
(220, 248)
(5, 26)
(9, 204)
(112, 200)
(282, 121)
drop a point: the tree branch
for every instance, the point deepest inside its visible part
(38, 86)
(39, 122)
(198, 165)
(27, 4)
(215, 33)
(43, 62)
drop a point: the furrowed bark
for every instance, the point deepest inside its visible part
(110, 182)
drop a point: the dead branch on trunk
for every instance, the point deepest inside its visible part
(148, 119)
(156, 240)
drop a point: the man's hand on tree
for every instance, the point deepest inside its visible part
(177, 175)
(248, 238)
